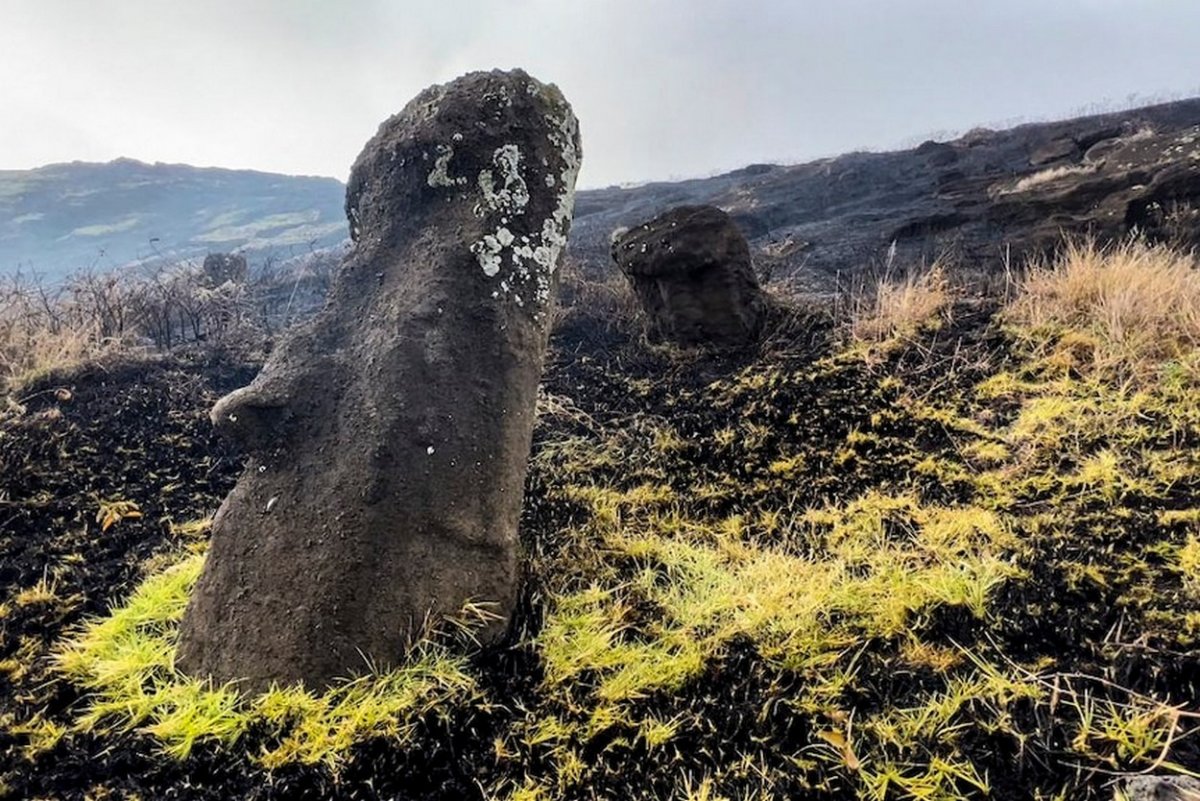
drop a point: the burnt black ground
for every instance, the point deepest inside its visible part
(135, 431)
(140, 432)
(128, 430)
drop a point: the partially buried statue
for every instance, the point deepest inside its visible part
(690, 269)
(389, 436)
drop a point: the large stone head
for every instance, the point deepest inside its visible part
(389, 436)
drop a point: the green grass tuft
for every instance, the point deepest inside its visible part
(126, 661)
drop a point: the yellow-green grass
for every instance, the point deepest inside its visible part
(126, 661)
(839, 580)
(1075, 434)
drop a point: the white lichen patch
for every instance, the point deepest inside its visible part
(440, 176)
(564, 135)
(511, 194)
(499, 96)
(426, 105)
(488, 251)
(504, 193)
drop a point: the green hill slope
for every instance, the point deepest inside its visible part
(63, 217)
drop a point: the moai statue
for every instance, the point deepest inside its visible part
(389, 436)
(690, 269)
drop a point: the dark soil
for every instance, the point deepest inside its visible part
(135, 431)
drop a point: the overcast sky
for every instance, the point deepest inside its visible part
(665, 88)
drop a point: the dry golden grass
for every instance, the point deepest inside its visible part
(608, 298)
(30, 350)
(896, 312)
(48, 326)
(1124, 311)
(1047, 176)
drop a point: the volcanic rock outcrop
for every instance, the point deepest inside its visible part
(691, 271)
(388, 437)
(980, 202)
(1141, 182)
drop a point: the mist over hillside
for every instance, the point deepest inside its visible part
(64, 217)
(980, 198)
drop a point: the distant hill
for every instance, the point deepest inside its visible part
(62, 217)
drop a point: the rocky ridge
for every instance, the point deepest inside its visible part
(982, 198)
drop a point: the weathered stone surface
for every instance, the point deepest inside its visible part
(389, 436)
(1160, 788)
(691, 271)
(1055, 150)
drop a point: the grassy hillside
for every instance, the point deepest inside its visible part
(65, 217)
(946, 547)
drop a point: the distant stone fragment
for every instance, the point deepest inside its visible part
(389, 436)
(691, 271)
(221, 268)
(1160, 788)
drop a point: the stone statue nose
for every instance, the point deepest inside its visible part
(252, 417)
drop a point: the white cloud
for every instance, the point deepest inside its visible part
(663, 88)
